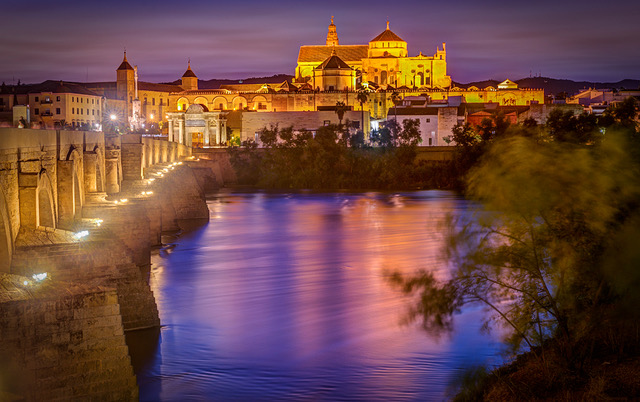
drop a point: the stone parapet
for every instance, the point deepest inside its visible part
(63, 341)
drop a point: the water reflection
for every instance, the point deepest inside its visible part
(282, 297)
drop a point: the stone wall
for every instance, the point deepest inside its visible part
(253, 122)
(100, 260)
(62, 341)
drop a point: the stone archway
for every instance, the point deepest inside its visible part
(70, 190)
(239, 103)
(6, 238)
(46, 215)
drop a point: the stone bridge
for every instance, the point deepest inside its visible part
(85, 209)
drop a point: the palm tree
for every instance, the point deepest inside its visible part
(395, 98)
(341, 108)
(363, 96)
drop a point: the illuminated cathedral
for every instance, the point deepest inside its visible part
(383, 63)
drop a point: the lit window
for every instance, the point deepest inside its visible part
(57, 99)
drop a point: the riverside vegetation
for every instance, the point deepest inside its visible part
(552, 253)
(336, 158)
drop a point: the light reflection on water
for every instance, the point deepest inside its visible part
(283, 297)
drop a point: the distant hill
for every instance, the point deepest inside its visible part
(551, 86)
(215, 83)
(554, 86)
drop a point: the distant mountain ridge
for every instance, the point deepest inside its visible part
(553, 86)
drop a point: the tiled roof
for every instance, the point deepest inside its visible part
(56, 87)
(387, 36)
(125, 64)
(189, 73)
(318, 54)
(333, 62)
(150, 86)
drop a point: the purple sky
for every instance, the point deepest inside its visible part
(79, 41)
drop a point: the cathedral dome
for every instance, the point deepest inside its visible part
(387, 36)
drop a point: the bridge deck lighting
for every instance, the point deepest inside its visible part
(40, 277)
(80, 235)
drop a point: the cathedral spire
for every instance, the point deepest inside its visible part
(332, 35)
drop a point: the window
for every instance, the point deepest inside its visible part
(37, 111)
(92, 100)
(428, 120)
(153, 101)
(81, 111)
(145, 101)
(87, 112)
(80, 100)
(73, 110)
(57, 99)
(37, 99)
(57, 110)
(326, 122)
(93, 112)
(73, 99)
(160, 101)
(430, 141)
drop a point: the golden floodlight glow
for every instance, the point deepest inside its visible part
(123, 200)
(113, 117)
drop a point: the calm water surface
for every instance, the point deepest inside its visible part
(283, 297)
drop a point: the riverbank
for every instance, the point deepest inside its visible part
(537, 378)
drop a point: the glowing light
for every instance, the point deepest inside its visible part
(151, 116)
(40, 277)
(151, 180)
(113, 117)
(123, 200)
(81, 234)
(25, 283)
(165, 170)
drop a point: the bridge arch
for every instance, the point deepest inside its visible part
(6, 237)
(70, 187)
(46, 215)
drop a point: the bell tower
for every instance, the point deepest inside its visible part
(332, 35)
(189, 79)
(125, 80)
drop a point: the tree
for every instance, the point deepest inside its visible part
(341, 108)
(395, 98)
(362, 96)
(541, 255)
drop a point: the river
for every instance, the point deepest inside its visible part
(283, 296)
